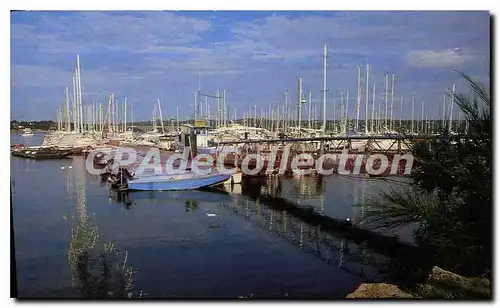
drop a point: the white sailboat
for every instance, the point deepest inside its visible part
(27, 132)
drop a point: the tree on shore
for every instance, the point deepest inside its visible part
(450, 195)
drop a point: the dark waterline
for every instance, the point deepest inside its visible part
(247, 247)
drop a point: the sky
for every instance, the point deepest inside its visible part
(254, 55)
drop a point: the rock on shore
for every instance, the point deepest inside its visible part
(378, 290)
(440, 284)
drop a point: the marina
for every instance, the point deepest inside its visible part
(288, 208)
(244, 213)
(215, 155)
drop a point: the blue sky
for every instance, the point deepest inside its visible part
(254, 55)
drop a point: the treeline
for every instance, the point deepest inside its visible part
(39, 125)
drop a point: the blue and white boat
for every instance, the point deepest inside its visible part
(185, 181)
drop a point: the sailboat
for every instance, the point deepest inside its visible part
(27, 132)
(152, 138)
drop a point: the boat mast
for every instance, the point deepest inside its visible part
(84, 116)
(74, 104)
(324, 90)
(401, 113)
(347, 111)
(88, 116)
(57, 119)
(392, 103)
(117, 114)
(79, 87)
(379, 117)
(112, 115)
(359, 99)
(100, 116)
(299, 117)
(125, 117)
(367, 116)
(113, 108)
(452, 100)
(333, 123)
(224, 110)
(314, 112)
(342, 113)
(218, 113)
(108, 114)
(283, 115)
(373, 107)
(422, 119)
(118, 122)
(309, 114)
(195, 105)
(386, 98)
(154, 117)
(68, 124)
(287, 111)
(412, 111)
(96, 116)
(443, 120)
(426, 126)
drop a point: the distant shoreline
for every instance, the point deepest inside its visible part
(20, 131)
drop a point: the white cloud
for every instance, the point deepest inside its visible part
(439, 59)
(80, 32)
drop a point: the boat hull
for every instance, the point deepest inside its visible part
(165, 184)
(41, 154)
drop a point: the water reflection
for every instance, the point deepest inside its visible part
(122, 198)
(335, 196)
(302, 227)
(331, 248)
(304, 234)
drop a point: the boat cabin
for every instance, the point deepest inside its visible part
(196, 135)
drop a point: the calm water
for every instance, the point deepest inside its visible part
(189, 244)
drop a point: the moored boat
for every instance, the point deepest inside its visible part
(27, 132)
(41, 152)
(185, 181)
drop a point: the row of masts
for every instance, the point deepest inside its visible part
(275, 120)
(281, 117)
(82, 118)
(379, 119)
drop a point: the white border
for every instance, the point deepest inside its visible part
(252, 5)
(190, 5)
